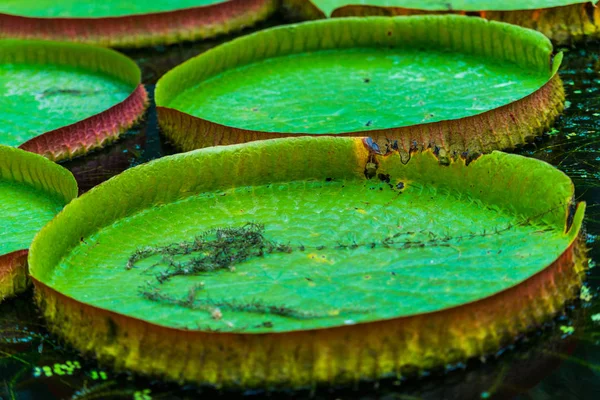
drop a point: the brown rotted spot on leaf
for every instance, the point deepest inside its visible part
(384, 178)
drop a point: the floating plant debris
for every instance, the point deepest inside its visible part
(62, 100)
(32, 191)
(128, 23)
(561, 20)
(216, 271)
(223, 248)
(451, 83)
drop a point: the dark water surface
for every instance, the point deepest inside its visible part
(560, 361)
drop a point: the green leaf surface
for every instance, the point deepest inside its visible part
(95, 9)
(32, 191)
(327, 6)
(322, 78)
(49, 85)
(343, 249)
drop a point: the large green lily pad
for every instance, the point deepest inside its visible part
(32, 191)
(358, 90)
(328, 6)
(107, 8)
(128, 23)
(400, 80)
(563, 21)
(290, 236)
(77, 97)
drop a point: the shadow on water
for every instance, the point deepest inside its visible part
(556, 362)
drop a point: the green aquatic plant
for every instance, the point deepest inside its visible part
(63, 100)
(417, 257)
(128, 24)
(32, 191)
(450, 83)
(561, 20)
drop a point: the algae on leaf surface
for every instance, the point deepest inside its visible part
(62, 100)
(32, 191)
(447, 82)
(561, 20)
(200, 252)
(129, 23)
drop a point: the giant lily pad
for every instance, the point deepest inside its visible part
(561, 20)
(128, 23)
(304, 260)
(32, 191)
(449, 82)
(62, 100)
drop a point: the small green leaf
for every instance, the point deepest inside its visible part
(585, 294)
(567, 330)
